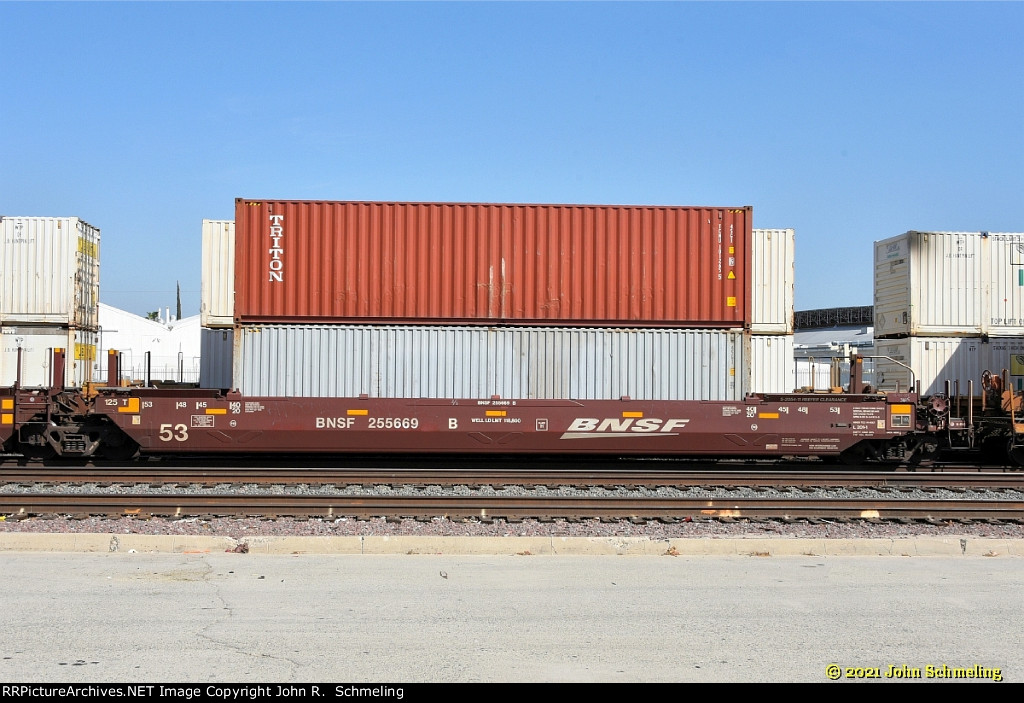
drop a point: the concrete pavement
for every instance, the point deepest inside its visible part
(923, 546)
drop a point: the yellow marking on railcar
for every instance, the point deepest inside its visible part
(730, 302)
(216, 411)
(131, 407)
(7, 404)
(358, 412)
(495, 413)
(7, 419)
(768, 416)
(901, 409)
(633, 413)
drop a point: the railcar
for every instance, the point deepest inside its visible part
(895, 428)
(122, 423)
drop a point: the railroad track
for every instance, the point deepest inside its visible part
(213, 476)
(490, 507)
(502, 493)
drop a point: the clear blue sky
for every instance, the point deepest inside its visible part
(849, 122)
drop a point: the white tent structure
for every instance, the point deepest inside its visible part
(172, 346)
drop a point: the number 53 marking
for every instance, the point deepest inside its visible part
(178, 433)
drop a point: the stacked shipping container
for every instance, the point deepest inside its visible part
(217, 287)
(470, 300)
(49, 298)
(342, 262)
(457, 361)
(771, 365)
(948, 304)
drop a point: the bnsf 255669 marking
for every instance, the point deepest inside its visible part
(373, 423)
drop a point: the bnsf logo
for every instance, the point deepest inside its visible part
(584, 427)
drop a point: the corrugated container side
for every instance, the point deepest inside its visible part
(218, 274)
(892, 287)
(216, 350)
(1004, 312)
(934, 360)
(928, 283)
(395, 361)
(772, 274)
(37, 343)
(49, 271)
(946, 284)
(772, 367)
(949, 284)
(443, 263)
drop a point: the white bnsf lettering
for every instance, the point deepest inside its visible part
(334, 423)
(588, 427)
(276, 271)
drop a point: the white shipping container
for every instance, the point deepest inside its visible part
(394, 361)
(37, 344)
(49, 271)
(772, 368)
(772, 274)
(814, 373)
(934, 360)
(217, 288)
(949, 284)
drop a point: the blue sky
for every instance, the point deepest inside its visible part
(849, 122)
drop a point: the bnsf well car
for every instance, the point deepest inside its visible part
(123, 423)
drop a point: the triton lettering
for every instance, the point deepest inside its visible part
(276, 250)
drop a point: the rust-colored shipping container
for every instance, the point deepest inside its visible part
(444, 263)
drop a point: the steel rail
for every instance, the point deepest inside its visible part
(493, 507)
(209, 476)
